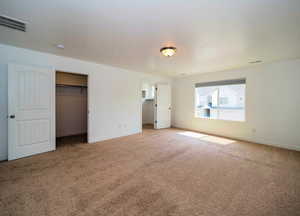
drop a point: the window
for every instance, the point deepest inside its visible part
(144, 94)
(148, 91)
(221, 100)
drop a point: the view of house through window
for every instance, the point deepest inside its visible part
(221, 100)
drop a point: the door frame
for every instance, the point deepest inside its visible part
(154, 107)
(141, 101)
(88, 102)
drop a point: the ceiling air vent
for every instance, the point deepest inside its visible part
(12, 23)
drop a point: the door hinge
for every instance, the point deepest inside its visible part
(155, 122)
(155, 105)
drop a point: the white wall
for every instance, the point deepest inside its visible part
(272, 105)
(114, 93)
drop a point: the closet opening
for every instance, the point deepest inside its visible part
(71, 109)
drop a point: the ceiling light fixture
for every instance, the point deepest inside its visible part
(168, 51)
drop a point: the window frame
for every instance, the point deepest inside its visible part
(221, 83)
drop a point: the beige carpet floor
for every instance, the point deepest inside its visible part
(161, 173)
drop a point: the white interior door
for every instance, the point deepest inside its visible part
(162, 106)
(31, 123)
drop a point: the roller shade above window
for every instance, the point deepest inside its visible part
(221, 83)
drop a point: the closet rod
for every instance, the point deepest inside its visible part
(76, 86)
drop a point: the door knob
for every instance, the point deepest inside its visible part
(12, 116)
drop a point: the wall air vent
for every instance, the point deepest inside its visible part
(12, 23)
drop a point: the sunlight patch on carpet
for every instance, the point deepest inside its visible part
(208, 138)
(192, 134)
